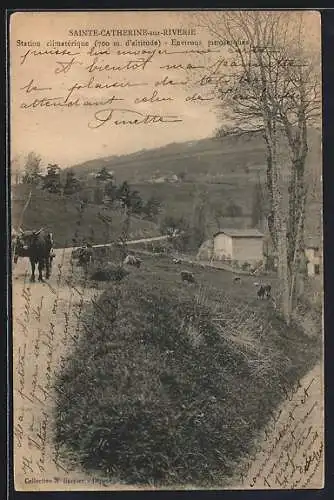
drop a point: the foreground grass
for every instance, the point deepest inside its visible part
(170, 383)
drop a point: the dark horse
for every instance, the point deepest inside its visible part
(37, 245)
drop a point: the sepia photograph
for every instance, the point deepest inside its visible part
(166, 250)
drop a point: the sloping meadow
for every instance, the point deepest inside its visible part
(170, 383)
(70, 223)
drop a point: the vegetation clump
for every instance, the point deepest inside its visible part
(169, 386)
(108, 272)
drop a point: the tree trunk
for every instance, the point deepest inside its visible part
(278, 222)
(282, 252)
(283, 275)
(296, 261)
(124, 235)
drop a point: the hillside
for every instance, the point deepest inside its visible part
(69, 224)
(216, 171)
(220, 170)
(205, 157)
(209, 159)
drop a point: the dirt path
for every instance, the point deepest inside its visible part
(128, 242)
(45, 321)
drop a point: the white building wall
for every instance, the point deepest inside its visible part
(314, 259)
(247, 249)
(222, 247)
(310, 254)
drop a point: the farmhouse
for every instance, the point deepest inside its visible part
(242, 245)
(313, 256)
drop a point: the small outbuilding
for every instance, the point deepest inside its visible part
(241, 245)
(313, 256)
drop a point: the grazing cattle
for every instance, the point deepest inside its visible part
(132, 260)
(188, 277)
(19, 249)
(237, 279)
(38, 246)
(176, 261)
(264, 291)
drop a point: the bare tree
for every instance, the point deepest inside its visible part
(272, 88)
(257, 204)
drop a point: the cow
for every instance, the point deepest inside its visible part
(237, 279)
(176, 261)
(132, 260)
(188, 277)
(38, 246)
(264, 291)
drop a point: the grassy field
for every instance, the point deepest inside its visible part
(199, 160)
(170, 383)
(207, 157)
(67, 222)
(180, 198)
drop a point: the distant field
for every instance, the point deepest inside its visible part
(185, 194)
(170, 383)
(178, 200)
(62, 216)
(206, 158)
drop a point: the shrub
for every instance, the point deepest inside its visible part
(158, 248)
(108, 272)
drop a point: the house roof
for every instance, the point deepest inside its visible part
(241, 233)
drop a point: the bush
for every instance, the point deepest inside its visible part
(158, 248)
(108, 273)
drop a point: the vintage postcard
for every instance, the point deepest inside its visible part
(167, 269)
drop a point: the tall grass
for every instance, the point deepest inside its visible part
(170, 383)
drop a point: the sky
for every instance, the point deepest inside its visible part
(66, 135)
